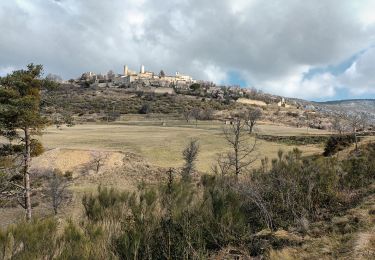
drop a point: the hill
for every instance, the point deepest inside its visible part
(356, 105)
(98, 104)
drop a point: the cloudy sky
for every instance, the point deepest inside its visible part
(317, 50)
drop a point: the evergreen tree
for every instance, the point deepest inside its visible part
(20, 111)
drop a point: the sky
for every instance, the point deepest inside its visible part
(316, 50)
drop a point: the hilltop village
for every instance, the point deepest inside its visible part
(161, 83)
(145, 78)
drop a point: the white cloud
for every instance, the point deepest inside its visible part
(6, 70)
(365, 12)
(295, 85)
(359, 78)
(215, 73)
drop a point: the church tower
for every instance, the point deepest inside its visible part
(142, 69)
(126, 70)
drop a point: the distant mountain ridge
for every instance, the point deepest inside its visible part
(354, 105)
(346, 101)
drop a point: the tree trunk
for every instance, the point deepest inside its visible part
(26, 177)
(236, 148)
(237, 163)
(251, 126)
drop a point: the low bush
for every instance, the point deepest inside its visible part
(13, 149)
(68, 175)
(34, 240)
(145, 109)
(295, 140)
(359, 168)
(36, 148)
(337, 143)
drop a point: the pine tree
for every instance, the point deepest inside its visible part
(20, 111)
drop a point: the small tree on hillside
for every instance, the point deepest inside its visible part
(355, 122)
(98, 159)
(186, 114)
(54, 77)
(242, 153)
(57, 190)
(251, 116)
(195, 87)
(222, 165)
(190, 156)
(364, 121)
(338, 123)
(195, 113)
(207, 114)
(20, 110)
(145, 109)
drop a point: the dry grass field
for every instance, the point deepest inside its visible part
(163, 145)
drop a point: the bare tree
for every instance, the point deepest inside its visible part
(222, 165)
(365, 119)
(251, 116)
(195, 113)
(54, 77)
(338, 122)
(355, 122)
(242, 153)
(190, 156)
(110, 75)
(207, 114)
(57, 189)
(186, 114)
(253, 92)
(98, 159)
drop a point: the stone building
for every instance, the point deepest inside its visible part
(150, 78)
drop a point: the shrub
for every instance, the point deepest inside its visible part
(337, 143)
(195, 87)
(104, 204)
(36, 148)
(68, 175)
(10, 149)
(145, 109)
(295, 188)
(359, 169)
(88, 243)
(292, 114)
(29, 240)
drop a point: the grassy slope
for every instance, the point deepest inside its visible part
(163, 145)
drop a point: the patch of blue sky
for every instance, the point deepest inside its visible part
(235, 79)
(335, 69)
